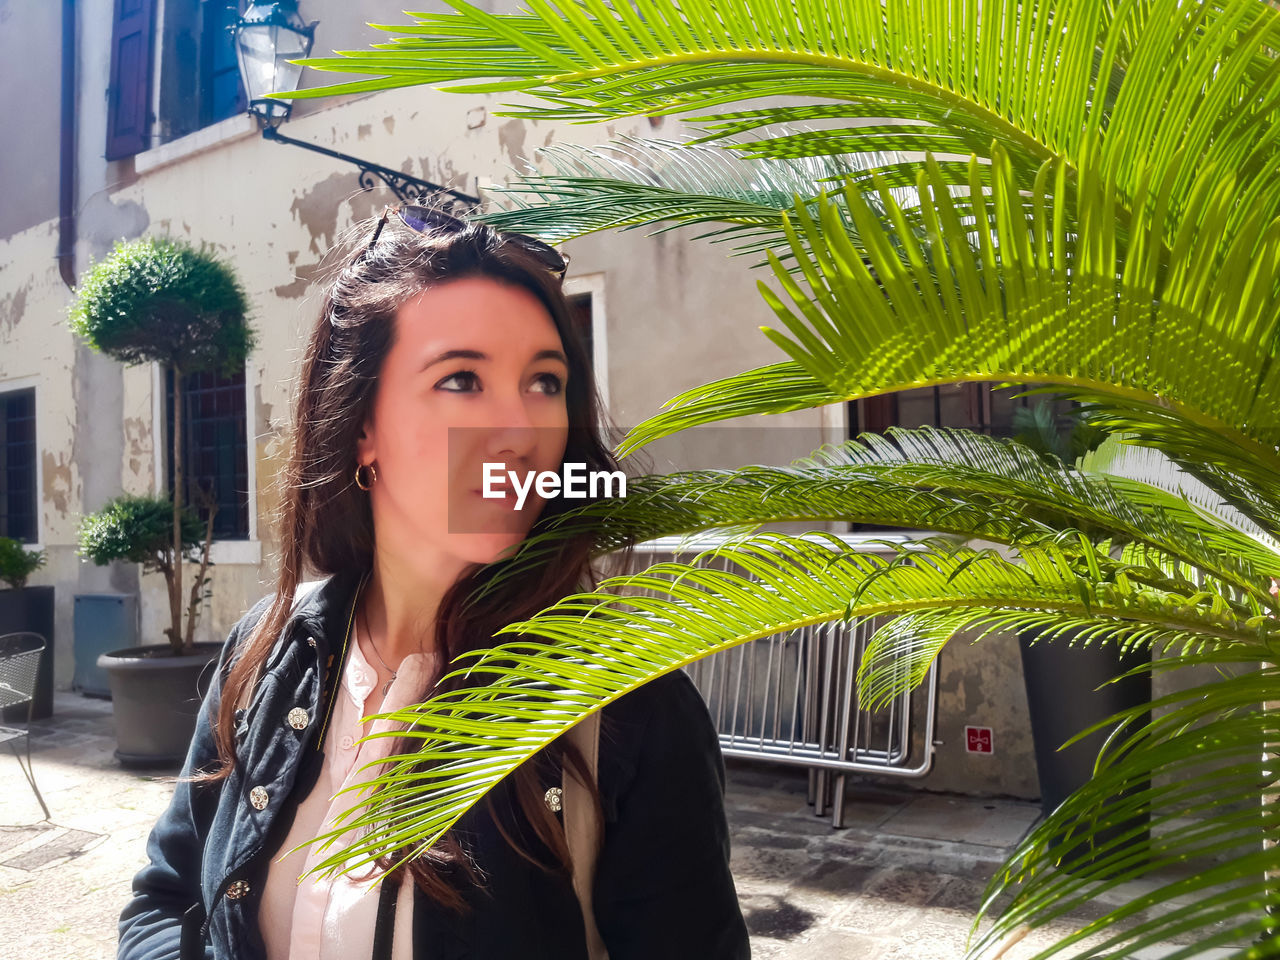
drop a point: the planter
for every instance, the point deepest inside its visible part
(155, 697)
(31, 608)
(1063, 697)
(103, 622)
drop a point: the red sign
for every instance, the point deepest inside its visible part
(978, 740)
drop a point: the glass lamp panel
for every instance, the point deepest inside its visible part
(269, 37)
(254, 47)
(290, 45)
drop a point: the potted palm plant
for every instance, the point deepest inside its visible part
(27, 608)
(168, 302)
(1081, 194)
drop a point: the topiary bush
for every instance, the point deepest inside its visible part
(140, 530)
(17, 563)
(163, 300)
(137, 530)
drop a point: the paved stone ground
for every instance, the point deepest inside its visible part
(901, 881)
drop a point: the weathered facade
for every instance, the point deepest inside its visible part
(666, 312)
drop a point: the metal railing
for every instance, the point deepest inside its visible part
(791, 698)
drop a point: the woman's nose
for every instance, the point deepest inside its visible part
(512, 443)
(514, 428)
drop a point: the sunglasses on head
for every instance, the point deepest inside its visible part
(430, 219)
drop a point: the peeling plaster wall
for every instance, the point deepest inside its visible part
(679, 312)
(34, 350)
(37, 350)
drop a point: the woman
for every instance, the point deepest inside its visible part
(440, 345)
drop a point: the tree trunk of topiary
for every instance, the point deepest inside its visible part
(210, 504)
(175, 582)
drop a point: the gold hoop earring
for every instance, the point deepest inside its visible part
(373, 476)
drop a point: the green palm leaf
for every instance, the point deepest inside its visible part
(591, 648)
(945, 481)
(1173, 773)
(959, 69)
(1143, 467)
(1130, 331)
(1098, 213)
(630, 183)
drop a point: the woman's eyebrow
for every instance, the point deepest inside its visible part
(480, 355)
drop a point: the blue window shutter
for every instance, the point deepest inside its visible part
(129, 93)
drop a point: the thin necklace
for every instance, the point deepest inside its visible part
(364, 625)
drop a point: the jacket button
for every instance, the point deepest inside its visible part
(238, 889)
(258, 797)
(298, 718)
(553, 798)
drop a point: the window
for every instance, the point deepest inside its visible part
(580, 311)
(18, 465)
(586, 294)
(221, 94)
(199, 80)
(974, 406)
(215, 457)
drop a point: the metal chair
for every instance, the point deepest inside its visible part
(19, 661)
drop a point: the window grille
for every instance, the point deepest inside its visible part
(18, 465)
(215, 451)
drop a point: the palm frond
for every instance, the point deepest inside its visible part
(939, 480)
(590, 648)
(1052, 80)
(630, 183)
(1200, 451)
(1094, 602)
(1121, 511)
(1195, 777)
(1177, 339)
(1140, 469)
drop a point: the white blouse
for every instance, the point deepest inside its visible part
(319, 919)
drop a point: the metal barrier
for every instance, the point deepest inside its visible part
(791, 698)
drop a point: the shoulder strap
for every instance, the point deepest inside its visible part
(581, 829)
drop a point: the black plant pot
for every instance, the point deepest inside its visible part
(155, 697)
(1065, 696)
(31, 609)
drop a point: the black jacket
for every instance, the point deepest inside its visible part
(663, 889)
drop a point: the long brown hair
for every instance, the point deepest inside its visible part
(326, 524)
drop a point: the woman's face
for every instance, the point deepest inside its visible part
(476, 373)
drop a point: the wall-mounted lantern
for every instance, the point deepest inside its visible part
(267, 37)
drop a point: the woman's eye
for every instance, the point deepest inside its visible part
(553, 384)
(556, 383)
(461, 374)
